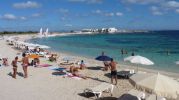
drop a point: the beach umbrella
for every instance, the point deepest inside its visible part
(138, 60)
(103, 58)
(177, 62)
(1, 56)
(30, 45)
(33, 56)
(44, 47)
(16, 38)
(158, 84)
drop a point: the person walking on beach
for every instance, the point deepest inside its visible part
(14, 64)
(113, 71)
(25, 63)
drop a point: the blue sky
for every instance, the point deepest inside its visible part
(58, 15)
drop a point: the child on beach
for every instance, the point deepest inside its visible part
(82, 65)
(5, 62)
(106, 66)
(14, 64)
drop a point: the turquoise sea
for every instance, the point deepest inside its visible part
(153, 45)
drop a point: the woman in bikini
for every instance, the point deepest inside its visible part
(14, 64)
(25, 63)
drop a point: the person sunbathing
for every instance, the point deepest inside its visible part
(36, 62)
(73, 68)
(75, 72)
(52, 58)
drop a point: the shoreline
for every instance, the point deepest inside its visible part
(123, 66)
(55, 86)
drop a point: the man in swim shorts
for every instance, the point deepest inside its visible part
(113, 71)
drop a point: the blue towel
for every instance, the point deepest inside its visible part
(56, 68)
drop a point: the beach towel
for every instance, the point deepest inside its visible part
(45, 65)
(72, 76)
(48, 62)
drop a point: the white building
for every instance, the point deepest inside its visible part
(112, 30)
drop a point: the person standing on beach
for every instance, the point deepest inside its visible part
(14, 64)
(25, 63)
(113, 71)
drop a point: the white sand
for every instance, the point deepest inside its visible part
(43, 85)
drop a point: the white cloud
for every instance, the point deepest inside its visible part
(171, 4)
(94, 1)
(97, 11)
(77, 0)
(87, 1)
(119, 14)
(68, 25)
(28, 4)
(159, 7)
(23, 18)
(143, 1)
(63, 18)
(156, 10)
(62, 10)
(12, 17)
(157, 13)
(109, 14)
(36, 15)
(177, 10)
(9, 17)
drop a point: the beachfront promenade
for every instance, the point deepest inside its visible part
(43, 84)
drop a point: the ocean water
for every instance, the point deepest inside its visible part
(153, 45)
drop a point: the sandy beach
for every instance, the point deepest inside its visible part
(42, 84)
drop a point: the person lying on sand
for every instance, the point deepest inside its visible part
(73, 68)
(75, 72)
(52, 58)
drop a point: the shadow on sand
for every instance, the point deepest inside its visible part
(92, 96)
(108, 98)
(95, 68)
(127, 97)
(119, 77)
(18, 73)
(97, 79)
(58, 73)
(87, 95)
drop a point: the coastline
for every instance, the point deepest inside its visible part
(89, 59)
(42, 84)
